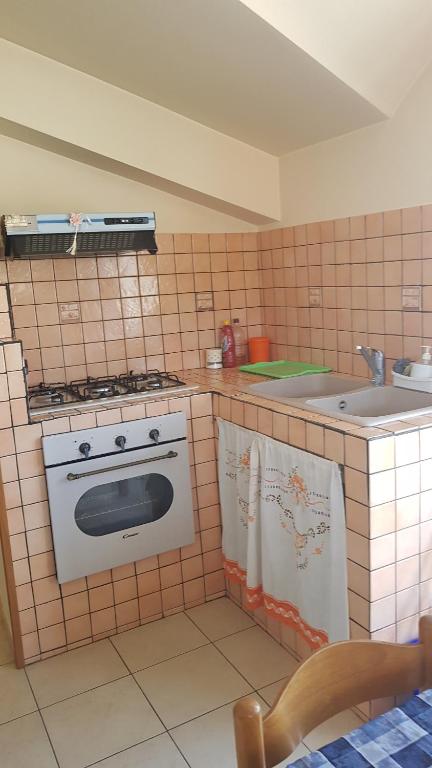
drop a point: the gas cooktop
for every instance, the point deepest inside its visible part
(43, 397)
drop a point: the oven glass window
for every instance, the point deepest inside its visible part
(123, 504)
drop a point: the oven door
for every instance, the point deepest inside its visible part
(116, 509)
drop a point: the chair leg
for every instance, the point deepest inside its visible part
(249, 735)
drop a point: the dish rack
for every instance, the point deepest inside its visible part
(409, 382)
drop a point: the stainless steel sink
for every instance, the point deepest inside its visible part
(373, 406)
(312, 385)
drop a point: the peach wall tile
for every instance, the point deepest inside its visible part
(45, 590)
(381, 454)
(125, 590)
(49, 614)
(407, 511)
(150, 605)
(334, 446)
(76, 605)
(103, 621)
(148, 582)
(127, 612)
(407, 572)
(382, 487)
(214, 583)
(297, 432)
(407, 480)
(382, 519)
(356, 453)
(382, 582)
(383, 551)
(101, 597)
(382, 613)
(407, 542)
(78, 628)
(356, 485)
(52, 637)
(42, 565)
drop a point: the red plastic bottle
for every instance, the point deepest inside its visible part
(228, 346)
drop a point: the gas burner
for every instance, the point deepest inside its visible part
(96, 389)
(47, 394)
(151, 381)
(100, 390)
(44, 397)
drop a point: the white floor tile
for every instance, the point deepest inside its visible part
(142, 647)
(259, 658)
(16, 698)
(220, 618)
(99, 723)
(209, 740)
(75, 672)
(159, 752)
(270, 692)
(24, 744)
(191, 685)
(332, 729)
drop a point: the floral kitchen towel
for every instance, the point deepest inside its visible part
(238, 477)
(284, 532)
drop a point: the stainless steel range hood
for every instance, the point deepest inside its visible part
(38, 236)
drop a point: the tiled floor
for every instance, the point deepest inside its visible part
(160, 695)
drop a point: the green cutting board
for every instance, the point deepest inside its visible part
(283, 369)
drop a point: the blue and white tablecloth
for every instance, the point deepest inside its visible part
(401, 738)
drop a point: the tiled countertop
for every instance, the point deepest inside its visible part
(232, 383)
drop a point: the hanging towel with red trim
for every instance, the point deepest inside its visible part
(284, 534)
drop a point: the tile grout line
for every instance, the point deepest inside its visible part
(240, 673)
(180, 750)
(56, 758)
(81, 693)
(170, 658)
(211, 643)
(123, 751)
(139, 687)
(131, 674)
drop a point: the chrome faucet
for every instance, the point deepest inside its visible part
(376, 362)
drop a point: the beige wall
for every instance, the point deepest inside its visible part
(33, 180)
(67, 105)
(382, 167)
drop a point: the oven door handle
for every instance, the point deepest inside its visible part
(73, 476)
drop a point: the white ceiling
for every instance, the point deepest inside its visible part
(378, 47)
(214, 61)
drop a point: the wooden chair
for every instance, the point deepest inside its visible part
(335, 678)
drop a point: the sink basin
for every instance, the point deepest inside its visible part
(312, 385)
(373, 406)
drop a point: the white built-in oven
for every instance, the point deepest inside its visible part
(118, 493)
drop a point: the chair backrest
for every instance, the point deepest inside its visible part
(333, 679)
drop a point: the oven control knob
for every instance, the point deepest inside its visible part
(85, 449)
(154, 435)
(120, 441)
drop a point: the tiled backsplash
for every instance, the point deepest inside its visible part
(316, 290)
(331, 285)
(135, 311)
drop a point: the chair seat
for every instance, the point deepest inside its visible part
(401, 738)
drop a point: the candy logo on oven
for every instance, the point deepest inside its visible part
(129, 535)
